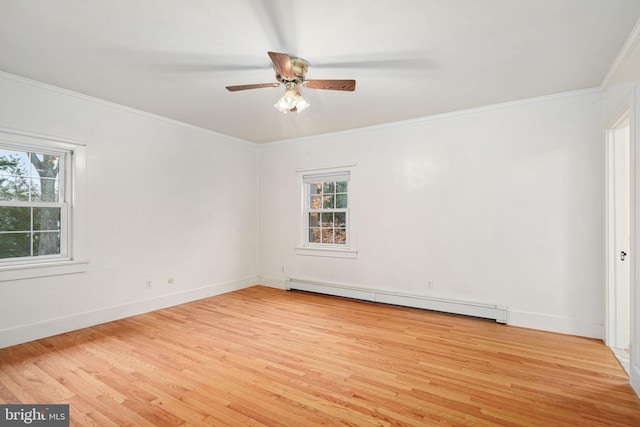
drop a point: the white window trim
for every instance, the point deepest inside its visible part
(75, 260)
(303, 248)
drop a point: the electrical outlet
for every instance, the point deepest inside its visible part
(430, 285)
(282, 269)
(147, 284)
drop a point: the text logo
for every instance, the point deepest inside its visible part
(34, 415)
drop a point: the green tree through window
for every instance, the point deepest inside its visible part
(31, 206)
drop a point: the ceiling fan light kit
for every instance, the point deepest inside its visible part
(292, 71)
(292, 100)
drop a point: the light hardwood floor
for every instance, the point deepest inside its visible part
(263, 356)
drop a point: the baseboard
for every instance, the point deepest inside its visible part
(559, 324)
(47, 328)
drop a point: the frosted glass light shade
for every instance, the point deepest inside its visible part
(291, 101)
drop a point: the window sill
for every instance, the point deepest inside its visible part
(31, 271)
(327, 252)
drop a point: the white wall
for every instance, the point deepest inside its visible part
(620, 93)
(164, 200)
(499, 205)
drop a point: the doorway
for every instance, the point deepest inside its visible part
(619, 239)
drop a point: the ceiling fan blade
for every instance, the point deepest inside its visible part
(282, 64)
(254, 86)
(349, 85)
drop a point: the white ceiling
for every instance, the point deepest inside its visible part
(410, 58)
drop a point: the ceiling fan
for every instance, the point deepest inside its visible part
(291, 71)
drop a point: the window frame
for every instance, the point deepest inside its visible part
(304, 247)
(72, 258)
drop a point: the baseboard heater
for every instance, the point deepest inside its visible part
(486, 311)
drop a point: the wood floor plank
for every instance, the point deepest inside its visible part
(268, 357)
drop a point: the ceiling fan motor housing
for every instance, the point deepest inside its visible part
(299, 67)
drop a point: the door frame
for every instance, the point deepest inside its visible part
(629, 103)
(617, 323)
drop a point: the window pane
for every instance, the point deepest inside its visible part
(315, 202)
(45, 164)
(328, 202)
(340, 219)
(14, 175)
(314, 235)
(327, 219)
(15, 245)
(329, 187)
(46, 219)
(14, 163)
(46, 243)
(14, 188)
(327, 235)
(45, 190)
(22, 174)
(15, 218)
(341, 186)
(341, 236)
(341, 201)
(314, 219)
(315, 188)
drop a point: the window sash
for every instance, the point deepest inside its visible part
(32, 231)
(324, 178)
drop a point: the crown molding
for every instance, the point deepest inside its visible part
(624, 53)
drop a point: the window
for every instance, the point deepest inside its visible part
(327, 223)
(41, 197)
(327, 209)
(33, 208)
